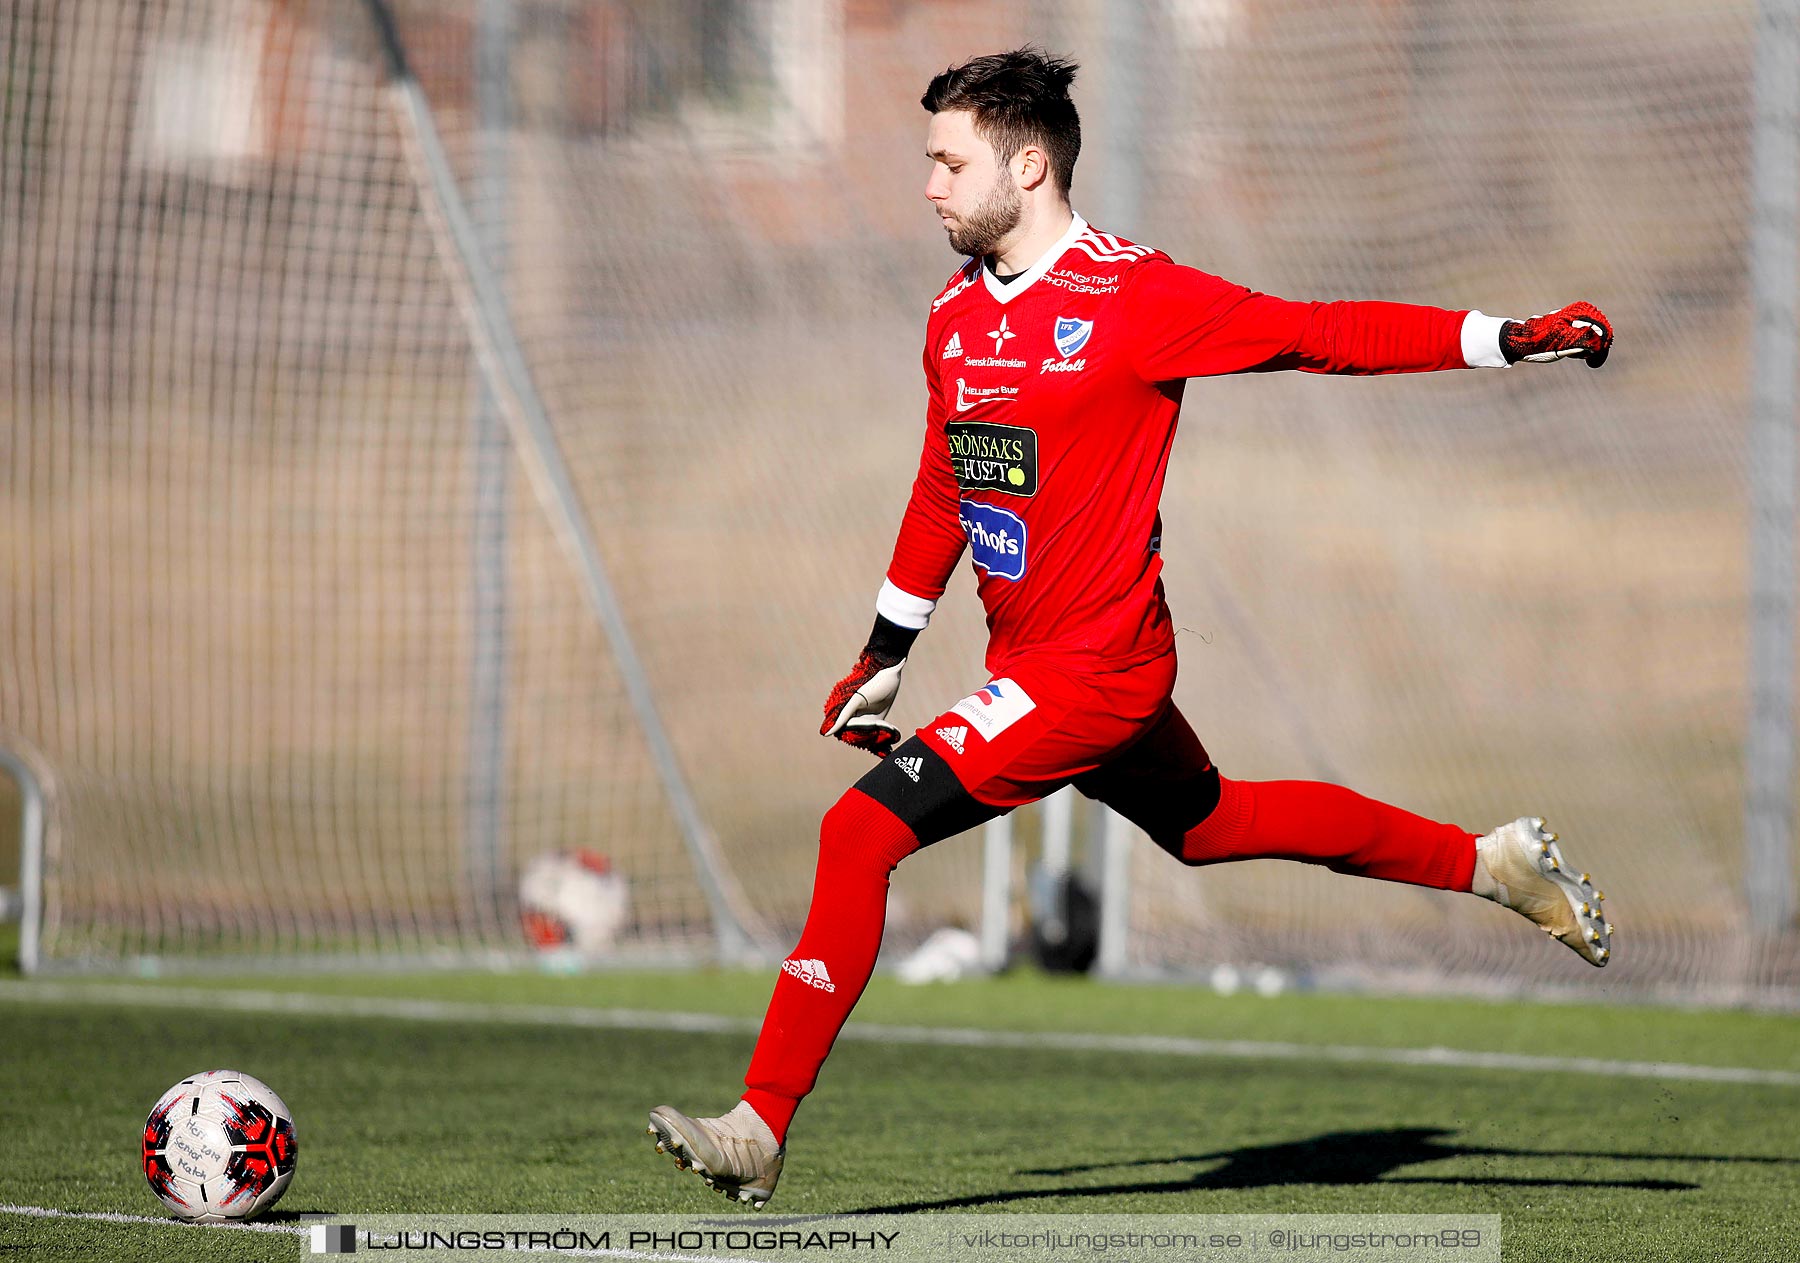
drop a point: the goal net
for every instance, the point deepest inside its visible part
(1475, 595)
(299, 637)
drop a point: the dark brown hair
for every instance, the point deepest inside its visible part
(1017, 99)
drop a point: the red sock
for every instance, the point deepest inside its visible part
(1333, 826)
(860, 842)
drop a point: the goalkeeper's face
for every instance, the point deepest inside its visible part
(974, 194)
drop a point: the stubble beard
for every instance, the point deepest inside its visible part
(981, 231)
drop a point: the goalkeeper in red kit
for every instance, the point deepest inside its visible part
(1056, 360)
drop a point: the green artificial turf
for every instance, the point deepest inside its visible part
(496, 1116)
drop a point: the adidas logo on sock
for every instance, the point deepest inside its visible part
(812, 972)
(954, 737)
(911, 764)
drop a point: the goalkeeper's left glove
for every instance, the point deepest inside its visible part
(1578, 329)
(856, 711)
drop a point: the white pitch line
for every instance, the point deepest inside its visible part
(113, 1217)
(314, 1005)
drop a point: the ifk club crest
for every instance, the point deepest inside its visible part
(1072, 334)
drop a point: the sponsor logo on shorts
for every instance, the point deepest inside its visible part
(990, 457)
(912, 765)
(812, 972)
(997, 707)
(996, 538)
(954, 737)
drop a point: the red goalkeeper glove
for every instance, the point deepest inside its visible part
(856, 711)
(1578, 329)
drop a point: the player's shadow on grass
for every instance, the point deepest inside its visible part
(1334, 1158)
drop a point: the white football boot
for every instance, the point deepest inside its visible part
(1519, 866)
(735, 1153)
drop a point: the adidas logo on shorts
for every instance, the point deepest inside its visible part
(812, 972)
(954, 737)
(911, 764)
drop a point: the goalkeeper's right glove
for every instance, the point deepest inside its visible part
(1578, 329)
(856, 711)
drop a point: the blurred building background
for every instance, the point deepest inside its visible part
(294, 640)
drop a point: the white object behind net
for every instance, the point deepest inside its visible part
(305, 675)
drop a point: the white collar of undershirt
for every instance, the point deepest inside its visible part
(1005, 293)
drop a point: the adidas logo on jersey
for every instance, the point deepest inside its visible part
(812, 972)
(953, 737)
(953, 347)
(912, 765)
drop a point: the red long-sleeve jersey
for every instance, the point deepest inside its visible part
(1053, 404)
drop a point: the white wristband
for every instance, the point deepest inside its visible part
(902, 608)
(1481, 341)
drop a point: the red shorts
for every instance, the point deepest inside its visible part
(1038, 727)
(1119, 738)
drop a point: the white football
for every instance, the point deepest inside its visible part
(218, 1147)
(573, 901)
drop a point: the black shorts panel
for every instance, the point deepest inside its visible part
(917, 785)
(1164, 783)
